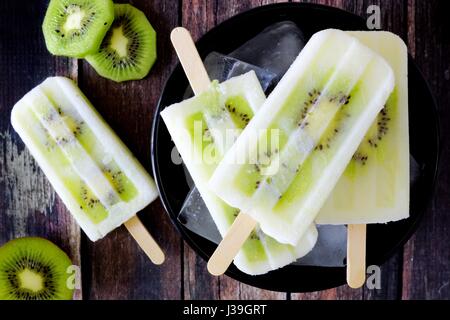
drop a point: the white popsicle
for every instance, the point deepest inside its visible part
(375, 185)
(93, 172)
(288, 159)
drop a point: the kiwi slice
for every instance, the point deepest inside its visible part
(239, 110)
(374, 137)
(75, 28)
(128, 50)
(33, 269)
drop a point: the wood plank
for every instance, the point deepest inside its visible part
(117, 268)
(230, 8)
(198, 17)
(28, 204)
(198, 283)
(426, 272)
(231, 289)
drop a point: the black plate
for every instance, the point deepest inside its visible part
(382, 240)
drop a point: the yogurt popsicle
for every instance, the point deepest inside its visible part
(95, 175)
(203, 128)
(286, 162)
(375, 185)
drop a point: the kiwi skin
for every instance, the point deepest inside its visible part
(77, 43)
(140, 49)
(39, 257)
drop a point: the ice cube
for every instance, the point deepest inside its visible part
(195, 216)
(274, 49)
(221, 67)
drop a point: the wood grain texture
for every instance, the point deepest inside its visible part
(116, 267)
(426, 272)
(231, 289)
(28, 204)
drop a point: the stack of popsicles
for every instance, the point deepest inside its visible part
(203, 128)
(330, 144)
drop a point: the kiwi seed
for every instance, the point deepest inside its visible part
(382, 128)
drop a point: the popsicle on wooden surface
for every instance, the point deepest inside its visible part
(96, 176)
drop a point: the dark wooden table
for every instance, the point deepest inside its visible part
(115, 268)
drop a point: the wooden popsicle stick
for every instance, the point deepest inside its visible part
(356, 255)
(190, 59)
(230, 245)
(199, 80)
(145, 240)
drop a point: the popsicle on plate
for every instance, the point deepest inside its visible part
(288, 159)
(375, 185)
(95, 175)
(203, 128)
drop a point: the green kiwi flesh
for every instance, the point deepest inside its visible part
(240, 114)
(76, 28)
(128, 50)
(373, 144)
(34, 269)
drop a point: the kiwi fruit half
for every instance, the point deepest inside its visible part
(33, 269)
(128, 50)
(75, 28)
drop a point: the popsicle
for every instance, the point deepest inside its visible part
(375, 185)
(203, 128)
(287, 160)
(92, 171)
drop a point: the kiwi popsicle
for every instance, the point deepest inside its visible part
(203, 128)
(375, 185)
(287, 160)
(95, 175)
